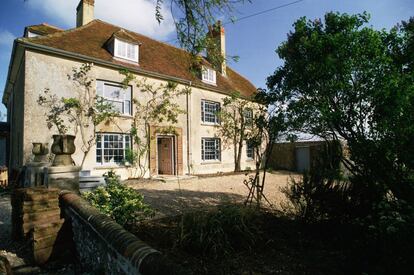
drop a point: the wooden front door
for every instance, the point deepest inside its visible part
(165, 156)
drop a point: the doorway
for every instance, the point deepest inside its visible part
(165, 148)
(302, 159)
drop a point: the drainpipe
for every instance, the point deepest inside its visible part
(189, 155)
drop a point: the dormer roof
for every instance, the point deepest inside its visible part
(42, 29)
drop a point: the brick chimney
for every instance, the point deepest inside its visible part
(84, 12)
(218, 46)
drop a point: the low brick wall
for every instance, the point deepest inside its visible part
(36, 217)
(105, 247)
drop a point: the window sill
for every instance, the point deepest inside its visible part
(210, 162)
(209, 124)
(126, 60)
(124, 116)
(110, 166)
(209, 83)
(249, 160)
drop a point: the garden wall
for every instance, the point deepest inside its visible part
(283, 156)
(105, 247)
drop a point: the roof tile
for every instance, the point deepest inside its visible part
(155, 56)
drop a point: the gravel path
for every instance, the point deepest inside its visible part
(174, 197)
(15, 252)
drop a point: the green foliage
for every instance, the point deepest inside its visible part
(194, 19)
(235, 126)
(125, 205)
(157, 105)
(344, 81)
(83, 113)
(218, 232)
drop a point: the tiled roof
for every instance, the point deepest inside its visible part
(158, 57)
(43, 29)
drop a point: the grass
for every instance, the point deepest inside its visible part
(279, 246)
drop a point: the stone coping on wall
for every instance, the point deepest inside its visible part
(134, 256)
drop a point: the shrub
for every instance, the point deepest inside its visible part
(322, 193)
(218, 232)
(124, 204)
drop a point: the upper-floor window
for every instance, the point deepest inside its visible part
(32, 34)
(210, 149)
(209, 112)
(119, 97)
(208, 75)
(249, 149)
(126, 50)
(111, 147)
(248, 116)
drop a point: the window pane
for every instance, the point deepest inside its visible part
(121, 48)
(118, 106)
(127, 107)
(113, 92)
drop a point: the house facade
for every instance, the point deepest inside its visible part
(45, 56)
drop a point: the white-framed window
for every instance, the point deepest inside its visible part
(210, 149)
(248, 116)
(111, 147)
(209, 112)
(115, 94)
(126, 50)
(32, 34)
(208, 75)
(249, 149)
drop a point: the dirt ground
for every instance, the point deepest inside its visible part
(173, 197)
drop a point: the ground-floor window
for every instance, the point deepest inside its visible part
(249, 150)
(111, 147)
(210, 149)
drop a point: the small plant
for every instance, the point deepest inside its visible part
(219, 232)
(125, 205)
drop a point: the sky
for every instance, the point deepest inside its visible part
(253, 40)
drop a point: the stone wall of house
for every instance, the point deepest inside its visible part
(105, 247)
(47, 71)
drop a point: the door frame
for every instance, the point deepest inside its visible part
(173, 140)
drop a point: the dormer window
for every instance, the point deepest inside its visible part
(126, 50)
(32, 34)
(208, 75)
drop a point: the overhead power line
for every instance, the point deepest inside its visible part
(254, 14)
(262, 12)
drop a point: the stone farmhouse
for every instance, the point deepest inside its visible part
(46, 55)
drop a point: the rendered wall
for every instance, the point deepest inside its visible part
(46, 71)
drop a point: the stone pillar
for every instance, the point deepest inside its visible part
(36, 217)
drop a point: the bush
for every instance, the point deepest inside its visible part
(323, 192)
(125, 205)
(218, 232)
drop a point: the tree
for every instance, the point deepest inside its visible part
(193, 20)
(270, 123)
(236, 124)
(344, 81)
(83, 113)
(156, 106)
